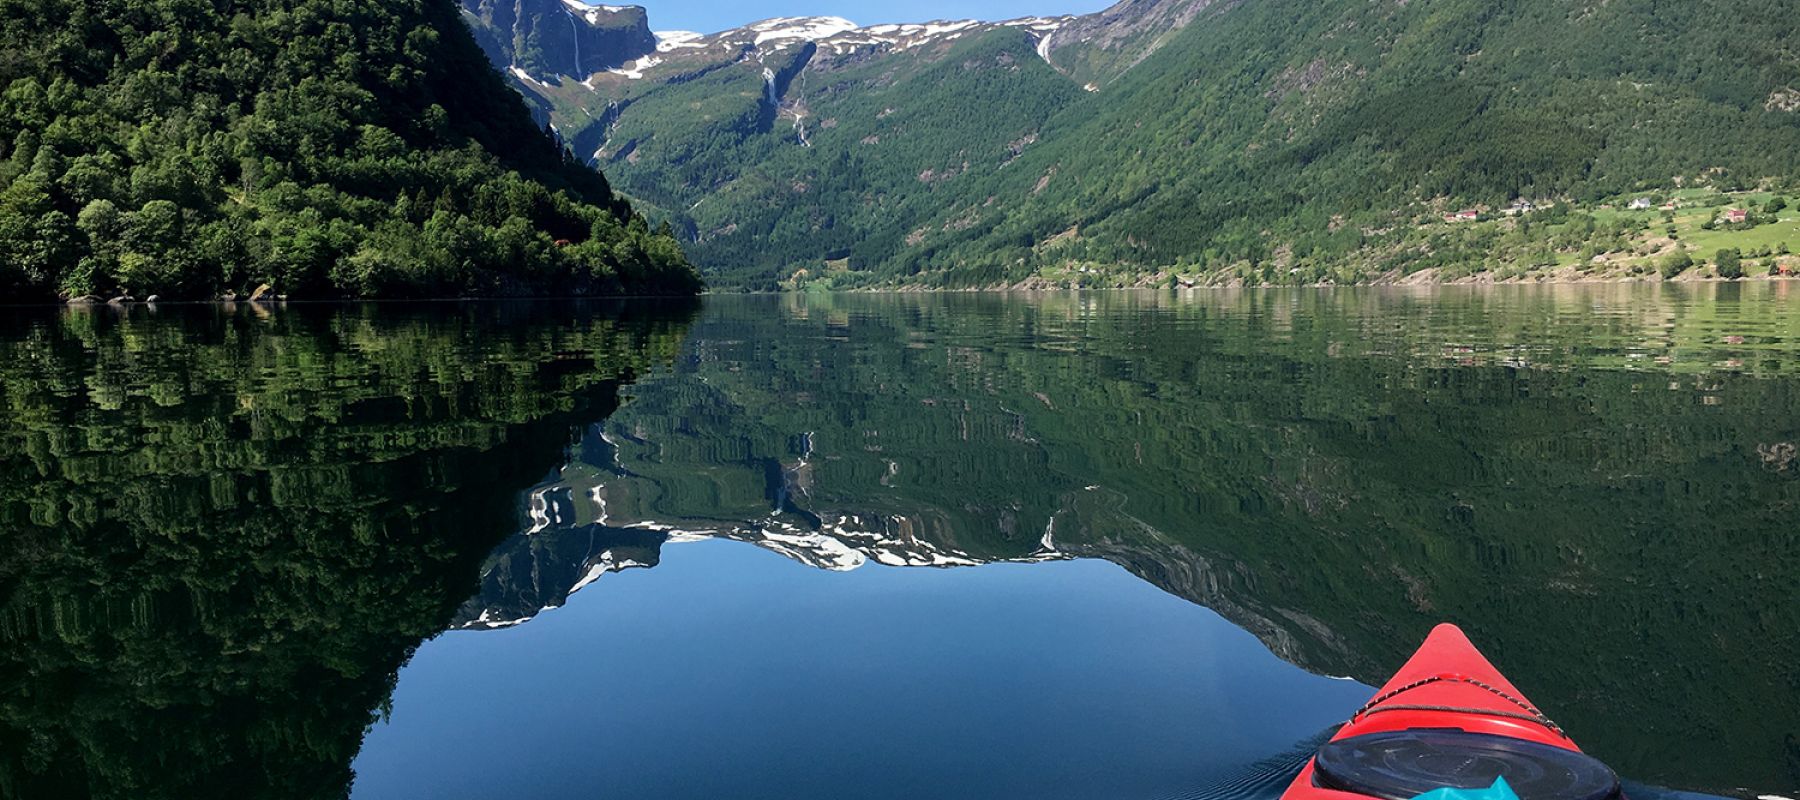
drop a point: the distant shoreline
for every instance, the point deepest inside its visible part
(1409, 282)
(271, 304)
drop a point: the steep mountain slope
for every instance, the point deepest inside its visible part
(849, 131)
(1260, 138)
(557, 37)
(1097, 48)
(1293, 132)
(560, 36)
(323, 148)
(850, 147)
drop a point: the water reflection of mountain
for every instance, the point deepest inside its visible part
(225, 530)
(1589, 488)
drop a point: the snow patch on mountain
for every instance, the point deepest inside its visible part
(488, 621)
(606, 563)
(598, 495)
(813, 549)
(539, 510)
(593, 574)
(593, 13)
(670, 41)
(809, 29)
(636, 69)
(916, 31)
(841, 543)
(526, 77)
(840, 36)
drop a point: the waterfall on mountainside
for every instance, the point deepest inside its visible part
(575, 31)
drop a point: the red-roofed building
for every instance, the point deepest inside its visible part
(1737, 215)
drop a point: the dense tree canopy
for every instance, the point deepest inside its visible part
(322, 147)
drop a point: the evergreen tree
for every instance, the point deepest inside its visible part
(181, 149)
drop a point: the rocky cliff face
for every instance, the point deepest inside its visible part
(1097, 48)
(531, 576)
(537, 40)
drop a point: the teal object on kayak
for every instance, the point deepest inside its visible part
(1499, 791)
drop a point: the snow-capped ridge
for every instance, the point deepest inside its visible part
(670, 41)
(841, 36)
(593, 13)
(809, 29)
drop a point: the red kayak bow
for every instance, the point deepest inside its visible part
(1449, 719)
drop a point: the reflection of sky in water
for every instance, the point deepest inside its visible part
(731, 672)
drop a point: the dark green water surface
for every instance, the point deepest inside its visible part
(1064, 545)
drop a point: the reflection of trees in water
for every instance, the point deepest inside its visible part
(225, 533)
(1317, 471)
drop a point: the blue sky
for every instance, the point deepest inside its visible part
(708, 16)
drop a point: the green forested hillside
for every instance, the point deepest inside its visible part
(832, 160)
(888, 146)
(1280, 140)
(322, 147)
(1295, 134)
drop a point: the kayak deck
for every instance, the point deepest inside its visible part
(1449, 709)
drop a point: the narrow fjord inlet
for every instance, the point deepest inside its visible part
(834, 399)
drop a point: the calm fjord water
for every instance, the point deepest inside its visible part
(1067, 545)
